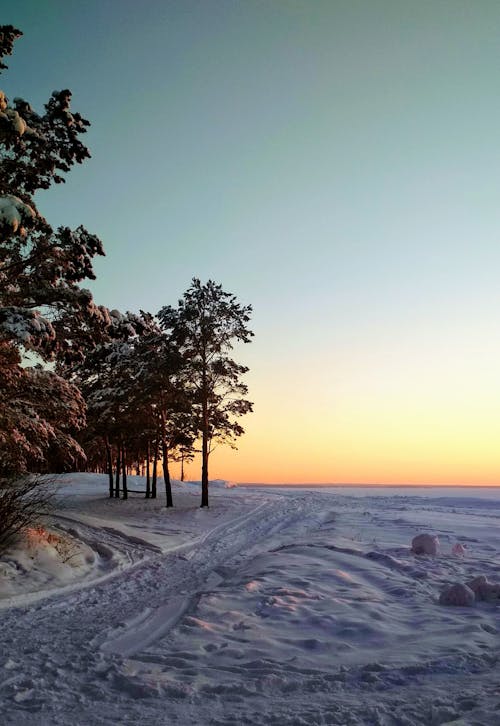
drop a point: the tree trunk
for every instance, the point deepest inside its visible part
(204, 471)
(182, 466)
(204, 450)
(155, 471)
(166, 473)
(166, 477)
(110, 466)
(117, 474)
(124, 477)
(148, 476)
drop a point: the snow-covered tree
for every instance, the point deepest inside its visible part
(39, 413)
(44, 313)
(206, 324)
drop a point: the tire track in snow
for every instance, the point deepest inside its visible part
(224, 528)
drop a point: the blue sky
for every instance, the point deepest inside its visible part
(337, 165)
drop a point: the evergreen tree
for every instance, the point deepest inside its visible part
(206, 324)
(43, 311)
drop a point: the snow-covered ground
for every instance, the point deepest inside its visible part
(275, 606)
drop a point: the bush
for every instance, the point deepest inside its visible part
(23, 503)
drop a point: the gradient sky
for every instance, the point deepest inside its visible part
(337, 165)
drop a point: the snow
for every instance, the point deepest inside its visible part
(458, 595)
(45, 561)
(13, 212)
(426, 544)
(275, 606)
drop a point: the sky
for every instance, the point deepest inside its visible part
(336, 164)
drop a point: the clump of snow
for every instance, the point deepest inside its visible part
(425, 544)
(483, 589)
(458, 594)
(14, 213)
(459, 550)
(26, 325)
(479, 586)
(12, 122)
(11, 118)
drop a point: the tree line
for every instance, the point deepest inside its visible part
(82, 385)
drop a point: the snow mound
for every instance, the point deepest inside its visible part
(43, 559)
(484, 590)
(425, 544)
(457, 594)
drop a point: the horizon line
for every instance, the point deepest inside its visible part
(360, 484)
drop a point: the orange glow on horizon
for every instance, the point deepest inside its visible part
(396, 437)
(399, 413)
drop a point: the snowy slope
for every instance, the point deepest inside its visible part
(272, 607)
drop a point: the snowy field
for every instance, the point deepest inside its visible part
(275, 606)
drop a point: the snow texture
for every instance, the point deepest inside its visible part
(275, 606)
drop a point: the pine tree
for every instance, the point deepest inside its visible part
(43, 311)
(205, 326)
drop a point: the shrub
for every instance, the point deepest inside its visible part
(23, 503)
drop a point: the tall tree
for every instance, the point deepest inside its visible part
(205, 325)
(43, 311)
